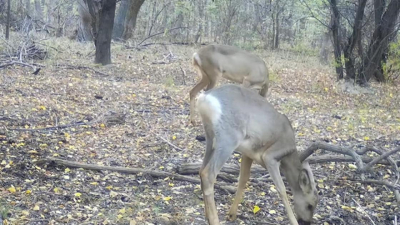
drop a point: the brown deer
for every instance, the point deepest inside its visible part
(214, 61)
(237, 119)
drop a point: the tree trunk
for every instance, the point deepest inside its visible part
(130, 20)
(8, 19)
(201, 21)
(324, 52)
(120, 19)
(104, 32)
(38, 10)
(276, 38)
(84, 30)
(353, 40)
(335, 22)
(379, 43)
(379, 7)
(28, 7)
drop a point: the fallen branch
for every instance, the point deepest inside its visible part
(174, 146)
(66, 66)
(18, 63)
(395, 188)
(194, 168)
(80, 123)
(156, 34)
(153, 173)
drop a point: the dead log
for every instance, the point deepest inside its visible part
(153, 173)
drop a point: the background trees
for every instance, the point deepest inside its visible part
(354, 36)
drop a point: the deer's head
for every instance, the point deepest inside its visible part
(305, 199)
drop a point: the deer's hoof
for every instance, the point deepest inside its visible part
(232, 217)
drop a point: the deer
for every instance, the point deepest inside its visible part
(215, 61)
(236, 118)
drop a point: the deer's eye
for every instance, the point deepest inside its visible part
(309, 207)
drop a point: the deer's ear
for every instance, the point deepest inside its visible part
(305, 181)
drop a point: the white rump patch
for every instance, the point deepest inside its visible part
(209, 107)
(197, 58)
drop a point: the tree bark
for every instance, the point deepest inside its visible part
(383, 33)
(335, 23)
(84, 30)
(8, 19)
(104, 32)
(201, 21)
(120, 19)
(353, 40)
(38, 10)
(130, 20)
(324, 52)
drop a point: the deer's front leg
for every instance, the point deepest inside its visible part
(273, 169)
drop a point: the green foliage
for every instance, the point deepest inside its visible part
(169, 81)
(392, 65)
(273, 76)
(305, 49)
(4, 209)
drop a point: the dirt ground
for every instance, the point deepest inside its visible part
(134, 113)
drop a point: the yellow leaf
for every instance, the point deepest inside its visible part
(20, 144)
(32, 152)
(77, 194)
(326, 89)
(28, 192)
(56, 190)
(122, 211)
(262, 194)
(3, 162)
(94, 183)
(161, 167)
(240, 160)
(386, 176)
(272, 211)
(321, 185)
(42, 146)
(67, 170)
(171, 184)
(256, 209)
(167, 198)
(12, 189)
(272, 188)
(366, 138)
(109, 187)
(102, 125)
(42, 107)
(25, 212)
(133, 95)
(36, 208)
(347, 208)
(113, 194)
(119, 216)
(173, 137)
(352, 166)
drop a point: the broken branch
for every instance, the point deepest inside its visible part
(153, 173)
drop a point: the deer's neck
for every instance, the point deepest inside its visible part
(291, 168)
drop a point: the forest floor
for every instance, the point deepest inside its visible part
(134, 113)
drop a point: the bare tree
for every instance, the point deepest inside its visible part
(130, 20)
(102, 21)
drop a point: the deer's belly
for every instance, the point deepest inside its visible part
(252, 149)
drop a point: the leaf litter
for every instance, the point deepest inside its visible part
(137, 116)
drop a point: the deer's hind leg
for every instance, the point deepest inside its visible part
(224, 145)
(243, 178)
